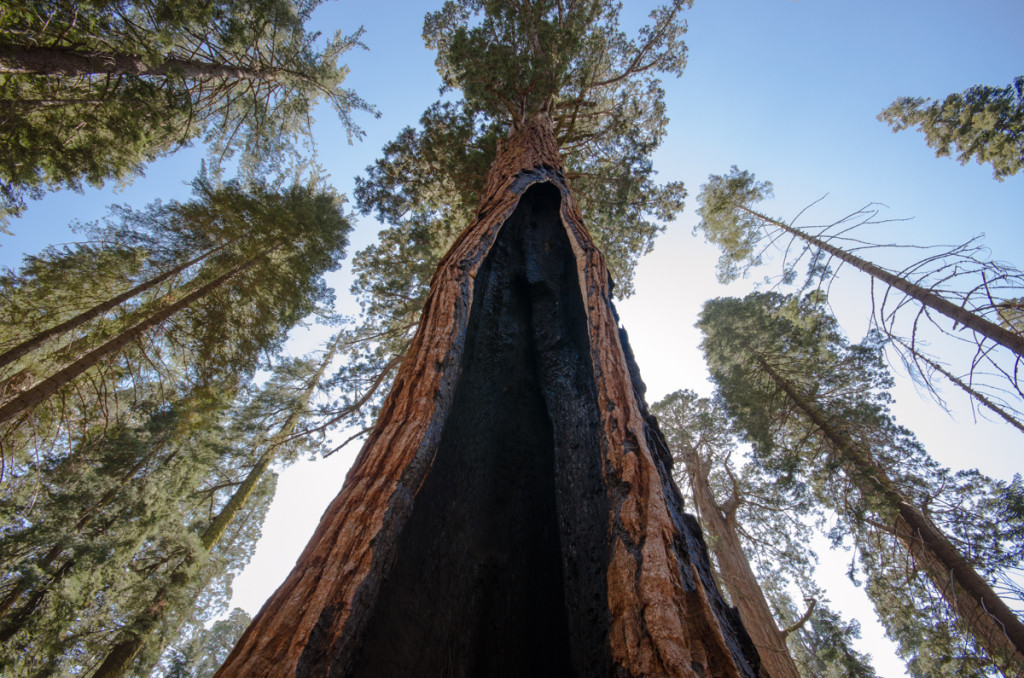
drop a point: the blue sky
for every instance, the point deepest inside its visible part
(786, 89)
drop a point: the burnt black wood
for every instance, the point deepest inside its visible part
(500, 570)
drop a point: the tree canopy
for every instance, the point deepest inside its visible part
(754, 530)
(975, 293)
(92, 91)
(815, 410)
(983, 122)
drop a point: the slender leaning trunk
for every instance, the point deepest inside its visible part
(40, 338)
(67, 62)
(981, 611)
(512, 512)
(50, 385)
(737, 575)
(974, 393)
(958, 314)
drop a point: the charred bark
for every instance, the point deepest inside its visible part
(512, 512)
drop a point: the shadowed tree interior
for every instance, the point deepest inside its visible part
(500, 568)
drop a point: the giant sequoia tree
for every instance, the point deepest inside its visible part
(759, 538)
(512, 511)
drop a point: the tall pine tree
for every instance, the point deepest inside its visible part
(93, 90)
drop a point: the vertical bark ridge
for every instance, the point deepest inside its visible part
(661, 613)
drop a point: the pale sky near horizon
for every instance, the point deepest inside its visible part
(788, 90)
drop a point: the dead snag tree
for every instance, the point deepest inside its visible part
(512, 512)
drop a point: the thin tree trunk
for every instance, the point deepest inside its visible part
(58, 61)
(990, 620)
(512, 511)
(50, 385)
(737, 575)
(959, 315)
(16, 619)
(124, 652)
(40, 338)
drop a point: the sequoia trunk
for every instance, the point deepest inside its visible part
(512, 512)
(737, 575)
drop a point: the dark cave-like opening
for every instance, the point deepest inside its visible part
(500, 568)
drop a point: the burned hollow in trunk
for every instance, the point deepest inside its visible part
(511, 519)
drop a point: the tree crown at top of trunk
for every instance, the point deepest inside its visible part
(982, 122)
(514, 59)
(570, 61)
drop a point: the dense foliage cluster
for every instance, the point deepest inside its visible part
(92, 90)
(121, 498)
(982, 122)
(814, 409)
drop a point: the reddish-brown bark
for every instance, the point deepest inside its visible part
(719, 519)
(662, 614)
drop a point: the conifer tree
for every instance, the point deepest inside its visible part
(126, 488)
(973, 292)
(982, 122)
(815, 411)
(93, 90)
(215, 325)
(138, 632)
(201, 653)
(113, 513)
(759, 542)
